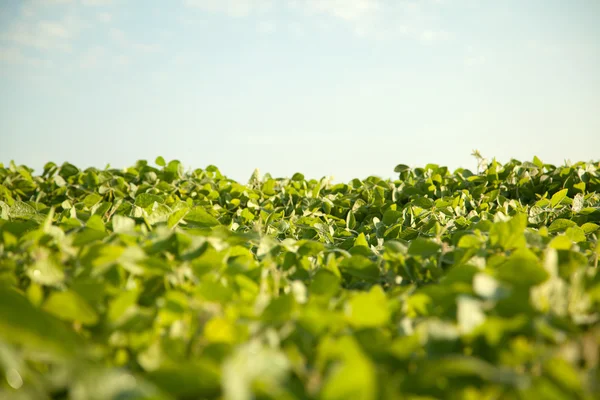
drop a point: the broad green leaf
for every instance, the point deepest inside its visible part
(560, 225)
(350, 220)
(70, 306)
(21, 210)
(160, 161)
(91, 200)
(176, 217)
(509, 235)
(144, 200)
(423, 247)
(219, 330)
(558, 197)
(368, 309)
(354, 377)
(253, 365)
(522, 268)
(23, 324)
(198, 216)
(360, 267)
(123, 224)
(325, 283)
(160, 214)
(46, 270)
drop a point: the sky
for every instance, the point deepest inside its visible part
(342, 88)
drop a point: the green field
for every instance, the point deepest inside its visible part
(156, 282)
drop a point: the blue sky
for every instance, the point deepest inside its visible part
(348, 88)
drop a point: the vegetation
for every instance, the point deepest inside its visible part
(156, 283)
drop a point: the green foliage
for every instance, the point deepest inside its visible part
(155, 283)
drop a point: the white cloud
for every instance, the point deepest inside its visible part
(96, 3)
(266, 27)
(542, 47)
(234, 8)
(100, 57)
(379, 19)
(104, 17)
(475, 60)
(296, 29)
(92, 57)
(118, 35)
(430, 36)
(121, 39)
(121, 61)
(54, 29)
(15, 56)
(43, 35)
(349, 10)
(54, 2)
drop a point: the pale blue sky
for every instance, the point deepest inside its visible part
(347, 88)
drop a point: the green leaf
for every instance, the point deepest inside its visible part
(560, 225)
(509, 234)
(368, 309)
(361, 240)
(423, 247)
(325, 283)
(96, 223)
(160, 161)
(70, 306)
(558, 197)
(576, 234)
(279, 309)
(254, 365)
(91, 200)
(401, 168)
(159, 214)
(196, 379)
(21, 210)
(123, 224)
(46, 270)
(522, 268)
(589, 227)
(198, 216)
(145, 200)
(360, 267)
(176, 217)
(354, 377)
(25, 325)
(350, 220)
(561, 243)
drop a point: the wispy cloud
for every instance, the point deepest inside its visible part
(234, 8)
(54, 2)
(15, 56)
(121, 38)
(475, 60)
(542, 47)
(380, 19)
(104, 17)
(33, 27)
(476, 57)
(43, 35)
(101, 57)
(430, 36)
(349, 10)
(92, 57)
(54, 29)
(96, 3)
(266, 27)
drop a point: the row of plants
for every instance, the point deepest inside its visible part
(156, 282)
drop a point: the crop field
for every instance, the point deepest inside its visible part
(157, 282)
